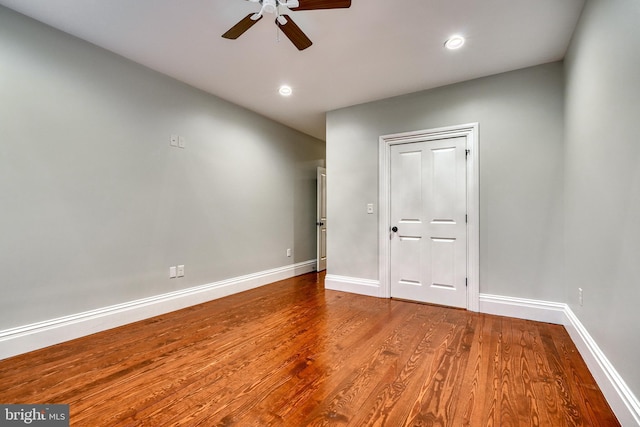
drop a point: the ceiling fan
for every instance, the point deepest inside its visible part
(284, 22)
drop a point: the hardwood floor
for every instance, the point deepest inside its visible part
(293, 354)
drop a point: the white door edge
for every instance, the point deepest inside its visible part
(321, 226)
(470, 131)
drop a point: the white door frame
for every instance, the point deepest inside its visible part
(470, 131)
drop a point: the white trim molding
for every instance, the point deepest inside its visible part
(522, 308)
(470, 132)
(31, 337)
(621, 399)
(353, 285)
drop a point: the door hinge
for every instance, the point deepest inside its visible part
(466, 218)
(466, 282)
(466, 153)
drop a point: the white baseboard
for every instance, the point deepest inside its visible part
(522, 308)
(353, 285)
(621, 399)
(31, 337)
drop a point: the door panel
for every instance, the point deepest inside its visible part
(408, 173)
(428, 207)
(443, 183)
(443, 262)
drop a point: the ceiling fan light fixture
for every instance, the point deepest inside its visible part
(285, 90)
(454, 42)
(269, 6)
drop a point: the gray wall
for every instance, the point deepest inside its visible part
(521, 127)
(559, 177)
(603, 179)
(95, 205)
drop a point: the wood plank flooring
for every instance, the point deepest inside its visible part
(293, 354)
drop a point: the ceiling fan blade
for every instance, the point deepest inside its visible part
(294, 33)
(322, 4)
(242, 26)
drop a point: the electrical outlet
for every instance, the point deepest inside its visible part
(172, 273)
(580, 299)
(173, 140)
(181, 271)
(370, 208)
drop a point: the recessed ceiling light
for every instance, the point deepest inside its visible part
(454, 42)
(285, 90)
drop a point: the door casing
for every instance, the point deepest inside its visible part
(470, 131)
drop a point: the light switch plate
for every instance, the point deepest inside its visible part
(173, 140)
(172, 272)
(181, 271)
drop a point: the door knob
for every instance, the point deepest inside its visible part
(394, 229)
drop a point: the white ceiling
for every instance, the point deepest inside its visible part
(374, 50)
